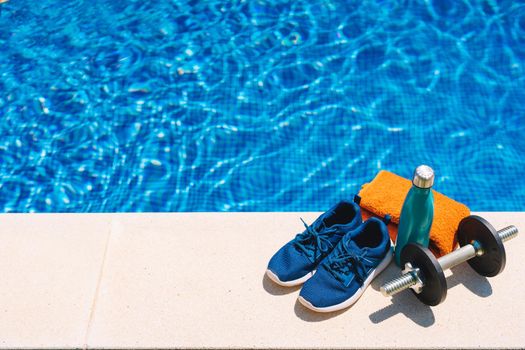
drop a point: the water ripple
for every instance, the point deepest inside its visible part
(257, 105)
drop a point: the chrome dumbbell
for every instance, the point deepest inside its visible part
(481, 246)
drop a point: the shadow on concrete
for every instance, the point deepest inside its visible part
(465, 275)
(403, 303)
(408, 305)
(308, 315)
(275, 289)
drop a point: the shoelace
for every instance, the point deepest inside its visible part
(341, 265)
(314, 243)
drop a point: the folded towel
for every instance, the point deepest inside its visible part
(386, 194)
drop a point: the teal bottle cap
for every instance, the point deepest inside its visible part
(423, 176)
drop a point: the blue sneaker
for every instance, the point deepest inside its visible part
(296, 261)
(343, 276)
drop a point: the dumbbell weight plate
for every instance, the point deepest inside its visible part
(475, 228)
(435, 284)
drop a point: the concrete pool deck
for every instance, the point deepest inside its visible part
(196, 280)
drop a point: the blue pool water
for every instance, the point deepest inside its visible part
(257, 105)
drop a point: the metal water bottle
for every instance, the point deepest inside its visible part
(417, 212)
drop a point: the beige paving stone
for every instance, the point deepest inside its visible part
(50, 265)
(196, 280)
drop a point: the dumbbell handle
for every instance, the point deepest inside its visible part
(446, 262)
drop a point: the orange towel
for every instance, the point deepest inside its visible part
(386, 194)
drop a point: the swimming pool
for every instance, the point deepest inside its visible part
(257, 105)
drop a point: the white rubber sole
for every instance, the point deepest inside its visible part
(293, 283)
(350, 301)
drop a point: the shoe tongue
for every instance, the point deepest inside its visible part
(351, 245)
(316, 225)
(320, 222)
